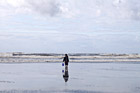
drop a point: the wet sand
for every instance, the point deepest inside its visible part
(83, 78)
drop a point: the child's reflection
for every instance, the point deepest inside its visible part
(65, 74)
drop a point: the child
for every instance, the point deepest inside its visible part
(66, 60)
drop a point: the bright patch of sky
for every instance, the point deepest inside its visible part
(70, 26)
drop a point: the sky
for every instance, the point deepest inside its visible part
(70, 26)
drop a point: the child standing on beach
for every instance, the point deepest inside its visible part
(66, 60)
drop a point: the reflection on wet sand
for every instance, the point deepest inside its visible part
(49, 91)
(65, 74)
(85, 78)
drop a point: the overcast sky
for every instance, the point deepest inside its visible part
(70, 26)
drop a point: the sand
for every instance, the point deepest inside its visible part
(83, 78)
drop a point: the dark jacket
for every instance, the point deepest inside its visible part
(66, 60)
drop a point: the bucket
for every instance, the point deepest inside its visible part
(63, 64)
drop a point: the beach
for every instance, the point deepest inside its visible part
(87, 73)
(83, 78)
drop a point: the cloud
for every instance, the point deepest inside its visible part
(129, 9)
(115, 9)
(44, 7)
(109, 9)
(38, 7)
(121, 9)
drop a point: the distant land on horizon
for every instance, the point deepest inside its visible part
(70, 54)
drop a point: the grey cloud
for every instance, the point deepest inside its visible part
(107, 9)
(44, 7)
(115, 9)
(41, 7)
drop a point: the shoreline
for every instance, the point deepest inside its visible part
(57, 58)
